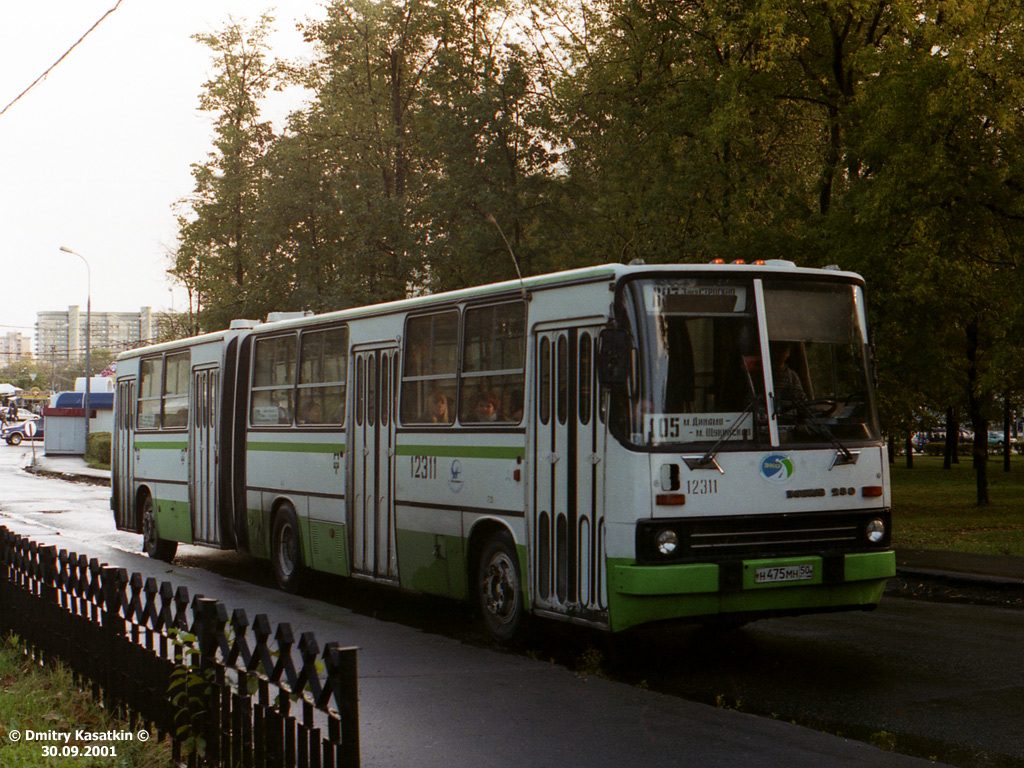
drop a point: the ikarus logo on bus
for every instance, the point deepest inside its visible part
(777, 467)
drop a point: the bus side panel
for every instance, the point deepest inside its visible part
(444, 483)
(161, 465)
(307, 469)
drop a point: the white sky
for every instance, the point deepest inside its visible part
(97, 154)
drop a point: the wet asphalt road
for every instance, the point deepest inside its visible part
(936, 680)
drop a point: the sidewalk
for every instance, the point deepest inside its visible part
(993, 569)
(70, 467)
(1002, 570)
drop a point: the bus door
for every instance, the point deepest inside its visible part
(202, 471)
(567, 516)
(124, 456)
(372, 472)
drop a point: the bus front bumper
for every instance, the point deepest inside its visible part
(640, 594)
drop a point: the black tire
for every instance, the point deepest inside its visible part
(15, 439)
(500, 588)
(155, 547)
(286, 551)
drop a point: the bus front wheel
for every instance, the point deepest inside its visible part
(286, 552)
(155, 547)
(500, 588)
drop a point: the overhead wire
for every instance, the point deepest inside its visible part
(58, 61)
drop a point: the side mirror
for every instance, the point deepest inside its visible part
(614, 349)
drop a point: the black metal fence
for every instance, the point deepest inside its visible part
(222, 688)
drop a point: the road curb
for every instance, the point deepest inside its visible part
(71, 477)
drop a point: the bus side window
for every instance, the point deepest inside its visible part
(493, 364)
(429, 373)
(175, 393)
(273, 380)
(323, 367)
(151, 375)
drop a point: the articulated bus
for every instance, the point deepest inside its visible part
(612, 446)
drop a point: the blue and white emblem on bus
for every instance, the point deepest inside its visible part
(777, 467)
(455, 483)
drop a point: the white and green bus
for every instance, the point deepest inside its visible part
(612, 446)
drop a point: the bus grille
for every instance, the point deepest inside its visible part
(749, 536)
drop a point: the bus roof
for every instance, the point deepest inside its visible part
(510, 288)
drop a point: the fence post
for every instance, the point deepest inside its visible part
(48, 574)
(343, 684)
(112, 585)
(204, 611)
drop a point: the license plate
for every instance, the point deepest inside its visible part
(781, 573)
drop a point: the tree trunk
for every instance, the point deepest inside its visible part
(1006, 432)
(910, 450)
(951, 455)
(978, 420)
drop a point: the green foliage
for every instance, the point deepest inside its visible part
(45, 698)
(97, 451)
(191, 691)
(885, 136)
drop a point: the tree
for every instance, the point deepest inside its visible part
(219, 256)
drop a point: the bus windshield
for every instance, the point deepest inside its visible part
(817, 339)
(699, 377)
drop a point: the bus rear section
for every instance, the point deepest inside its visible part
(172, 444)
(745, 472)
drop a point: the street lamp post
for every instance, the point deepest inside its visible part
(88, 338)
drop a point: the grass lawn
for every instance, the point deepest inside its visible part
(934, 508)
(45, 699)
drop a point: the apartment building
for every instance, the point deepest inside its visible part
(15, 346)
(61, 336)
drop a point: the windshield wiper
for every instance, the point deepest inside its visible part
(819, 427)
(707, 461)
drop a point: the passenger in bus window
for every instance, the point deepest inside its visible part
(437, 409)
(514, 408)
(486, 409)
(309, 412)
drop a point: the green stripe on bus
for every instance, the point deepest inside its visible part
(462, 451)
(176, 445)
(298, 447)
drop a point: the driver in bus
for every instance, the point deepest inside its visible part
(788, 386)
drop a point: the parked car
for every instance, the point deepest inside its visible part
(24, 414)
(15, 433)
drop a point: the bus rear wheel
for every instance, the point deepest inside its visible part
(154, 546)
(500, 588)
(286, 552)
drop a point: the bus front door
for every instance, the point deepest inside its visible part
(372, 452)
(567, 515)
(203, 479)
(124, 456)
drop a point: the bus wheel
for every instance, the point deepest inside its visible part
(500, 588)
(285, 550)
(155, 547)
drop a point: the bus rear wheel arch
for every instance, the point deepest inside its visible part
(154, 546)
(498, 586)
(286, 549)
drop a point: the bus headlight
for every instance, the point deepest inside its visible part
(666, 542)
(875, 530)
